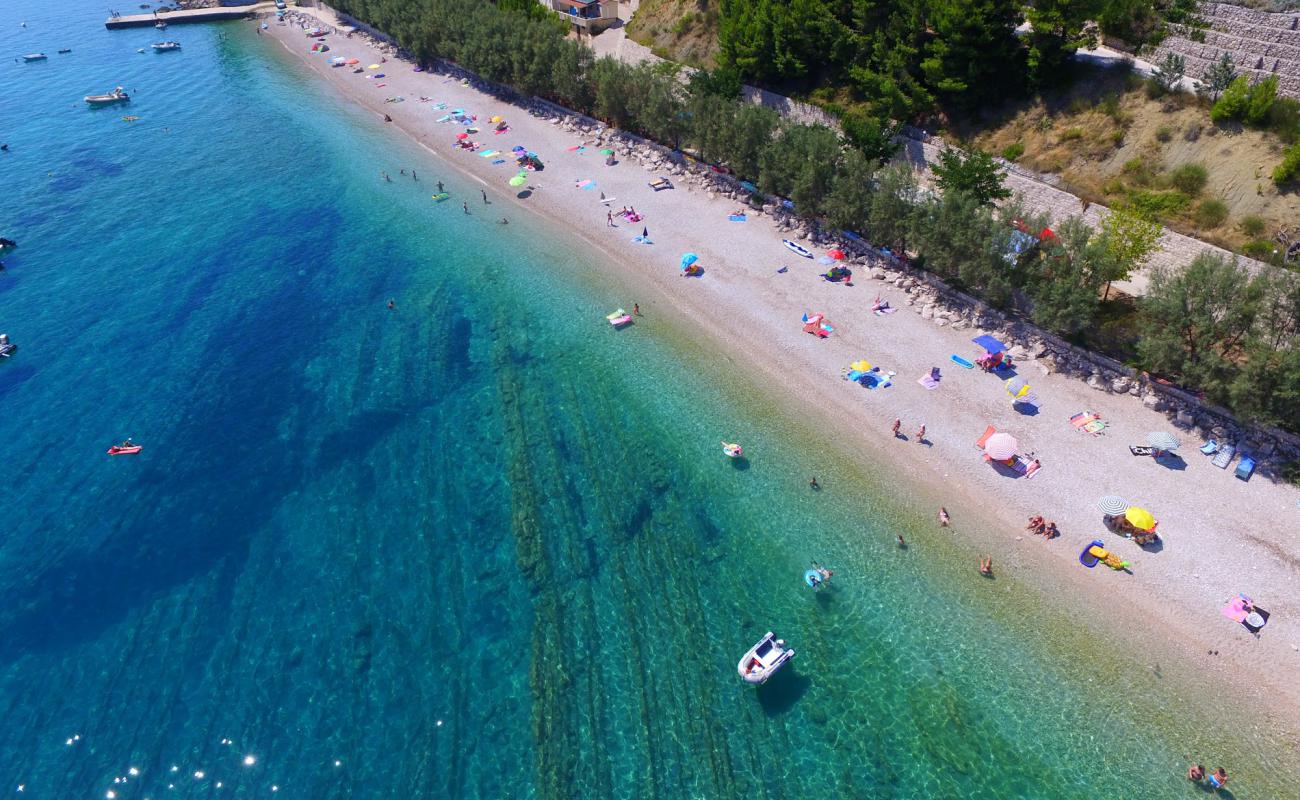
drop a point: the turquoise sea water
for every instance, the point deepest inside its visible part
(479, 546)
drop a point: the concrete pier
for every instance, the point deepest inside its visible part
(185, 15)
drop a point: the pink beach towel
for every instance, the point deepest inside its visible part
(1236, 609)
(928, 382)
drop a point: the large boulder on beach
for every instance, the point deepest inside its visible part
(1121, 384)
(1097, 382)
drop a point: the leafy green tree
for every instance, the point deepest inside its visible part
(1196, 322)
(974, 55)
(849, 201)
(1234, 101)
(1065, 279)
(615, 91)
(961, 239)
(1217, 77)
(1059, 29)
(893, 209)
(974, 174)
(777, 40)
(1260, 101)
(800, 164)
(875, 138)
(1129, 238)
(890, 36)
(1267, 388)
(723, 82)
(749, 137)
(1169, 73)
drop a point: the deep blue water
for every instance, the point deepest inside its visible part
(476, 546)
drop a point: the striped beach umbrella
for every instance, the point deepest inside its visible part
(1001, 446)
(1112, 505)
(1162, 440)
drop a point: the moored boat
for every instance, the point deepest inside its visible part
(163, 47)
(127, 448)
(764, 659)
(6, 347)
(118, 95)
(160, 24)
(35, 57)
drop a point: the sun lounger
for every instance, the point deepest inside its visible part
(660, 183)
(1224, 457)
(1210, 448)
(1245, 468)
(984, 437)
(1139, 450)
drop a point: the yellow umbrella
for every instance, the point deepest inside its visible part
(1140, 517)
(496, 119)
(861, 365)
(373, 66)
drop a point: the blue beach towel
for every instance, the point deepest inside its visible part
(499, 161)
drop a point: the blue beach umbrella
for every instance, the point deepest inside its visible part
(689, 259)
(990, 344)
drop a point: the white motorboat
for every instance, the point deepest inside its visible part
(35, 57)
(160, 25)
(764, 659)
(163, 47)
(115, 96)
(6, 347)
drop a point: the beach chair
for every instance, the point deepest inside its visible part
(1210, 448)
(660, 183)
(1224, 457)
(1245, 468)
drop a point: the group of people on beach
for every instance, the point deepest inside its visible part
(898, 427)
(1040, 527)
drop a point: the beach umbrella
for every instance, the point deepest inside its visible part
(861, 365)
(519, 148)
(836, 254)
(607, 152)
(353, 61)
(373, 66)
(496, 119)
(1162, 440)
(689, 259)
(1001, 446)
(462, 136)
(518, 180)
(989, 343)
(1112, 505)
(1140, 518)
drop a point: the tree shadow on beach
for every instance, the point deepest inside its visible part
(783, 691)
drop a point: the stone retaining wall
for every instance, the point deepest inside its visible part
(1261, 43)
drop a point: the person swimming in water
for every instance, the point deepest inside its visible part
(986, 566)
(1196, 773)
(1219, 778)
(944, 520)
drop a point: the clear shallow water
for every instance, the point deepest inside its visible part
(479, 546)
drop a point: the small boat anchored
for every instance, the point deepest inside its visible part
(160, 25)
(163, 47)
(118, 95)
(127, 448)
(7, 348)
(35, 57)
(764, 659)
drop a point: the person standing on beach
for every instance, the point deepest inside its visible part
(485, 200)
(920, 435)
(898, 424)
(609, 219)
(636, 310)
